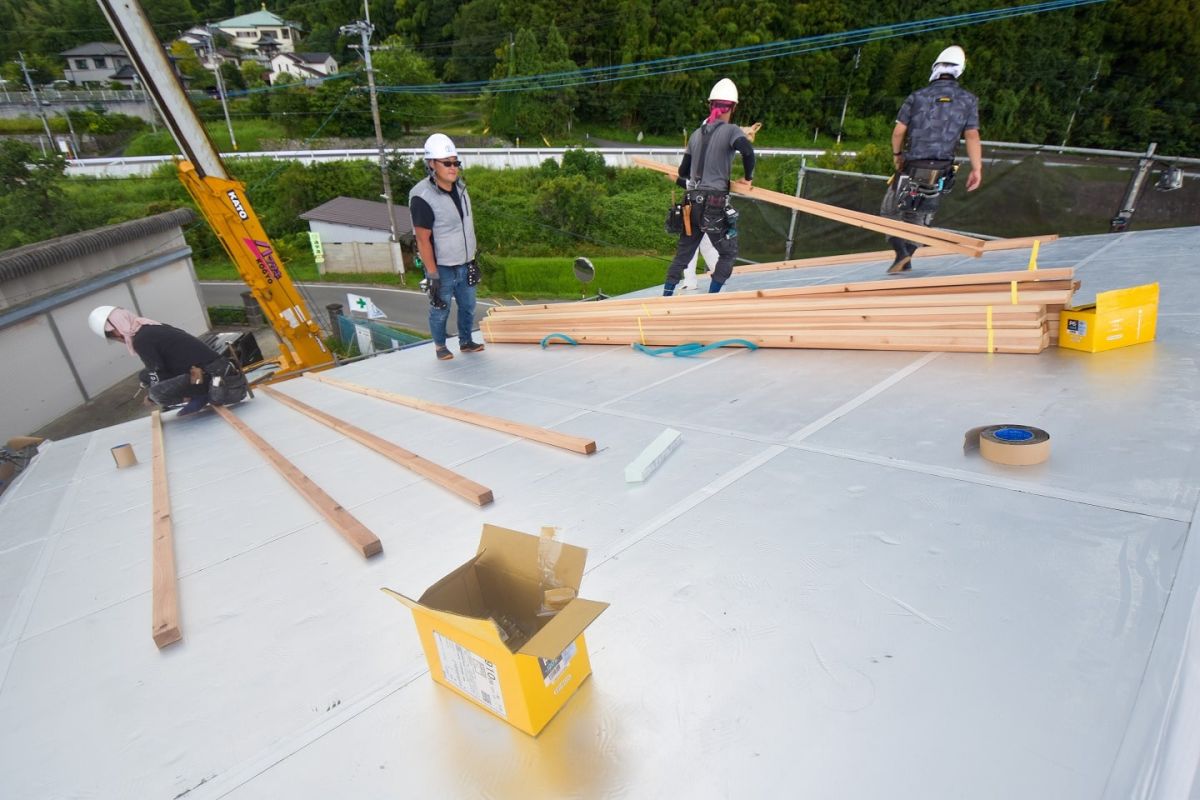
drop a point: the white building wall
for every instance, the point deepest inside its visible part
(52, 362)
(39, 385)
(100, 363)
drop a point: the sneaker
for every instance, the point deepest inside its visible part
(470, 347)
(443, 353)
(193, 405)
(688, 284)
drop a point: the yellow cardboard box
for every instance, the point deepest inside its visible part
(487, 634)
(1118, 318)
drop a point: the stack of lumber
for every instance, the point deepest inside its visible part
(1001, 312)
(854, 259)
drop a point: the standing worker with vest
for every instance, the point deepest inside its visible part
(445, 231)
(704, 173)
(933, 119)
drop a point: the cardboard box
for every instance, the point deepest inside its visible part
(1118, 318)
(484, 638)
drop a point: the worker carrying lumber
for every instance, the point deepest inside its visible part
(179, 367)
(704, 173)
(445, 231)
(932, 119)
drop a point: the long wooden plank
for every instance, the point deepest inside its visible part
(165, 589)
(353, 531)
(847, 259)
(576, 444)
(464, 487)
(968, 343)
(1024, 279)
(916, 233)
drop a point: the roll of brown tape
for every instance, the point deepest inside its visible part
(1015, 445)
(123, 455)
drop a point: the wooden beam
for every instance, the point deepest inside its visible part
(353, 531)
(576, 444)
(848, 259)
(463, 487)
(891, 227)
(164, 592)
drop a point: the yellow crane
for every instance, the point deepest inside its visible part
(221, 200)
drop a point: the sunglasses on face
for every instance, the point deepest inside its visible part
(448, 163)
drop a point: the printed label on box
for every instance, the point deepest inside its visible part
(470, 674)
(554, 667)
(1077, 327)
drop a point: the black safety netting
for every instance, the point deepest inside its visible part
(1023, 194)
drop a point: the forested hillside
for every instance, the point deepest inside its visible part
(1109, 74)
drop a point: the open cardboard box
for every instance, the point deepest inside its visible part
(484, 638)
(1118, 318)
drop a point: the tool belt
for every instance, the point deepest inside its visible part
(930, 177)
(226, 383)
(699, 198)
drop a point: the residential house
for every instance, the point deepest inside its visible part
(202, 43)
(262, 32)
(94, 62)
(354, 235)
(303, 66)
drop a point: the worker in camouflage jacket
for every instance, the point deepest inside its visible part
(931, 120)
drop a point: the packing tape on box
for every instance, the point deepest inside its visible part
(1015, 445)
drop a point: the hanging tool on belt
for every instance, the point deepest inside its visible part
(920, 180)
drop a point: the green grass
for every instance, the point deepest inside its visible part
(542, 277)
(554, 276)
(249, 133)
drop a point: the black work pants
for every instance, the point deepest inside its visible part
(727, 249)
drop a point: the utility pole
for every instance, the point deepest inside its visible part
(216, 60)
(36, 101)
(1079, 99)
(364, 29)
(74, 138)
(846, 102)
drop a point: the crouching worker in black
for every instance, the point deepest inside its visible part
(179, 367)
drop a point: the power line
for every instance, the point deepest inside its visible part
(731, 56)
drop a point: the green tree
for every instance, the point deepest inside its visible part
(31, 196)
(397, 65)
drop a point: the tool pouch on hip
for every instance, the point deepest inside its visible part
(675, 215)
(226, 382)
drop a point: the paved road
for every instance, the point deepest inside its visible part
(402, 306)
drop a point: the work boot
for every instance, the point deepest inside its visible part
(193, 405)
(470, 347)
(904, 255)
(443, 353)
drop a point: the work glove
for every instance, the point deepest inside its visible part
(435, 293)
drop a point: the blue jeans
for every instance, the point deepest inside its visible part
(454, 287)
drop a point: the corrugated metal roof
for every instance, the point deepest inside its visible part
(33, 257)
(360, 214)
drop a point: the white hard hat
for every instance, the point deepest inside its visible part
(952, 55)
(439, 146)
(97, 318)
(724, 89)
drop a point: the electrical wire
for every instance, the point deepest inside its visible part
(730, 56)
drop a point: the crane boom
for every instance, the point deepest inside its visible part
(221, 200)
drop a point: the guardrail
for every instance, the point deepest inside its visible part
(510, 158)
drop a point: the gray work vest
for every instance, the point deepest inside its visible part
(453, 236)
